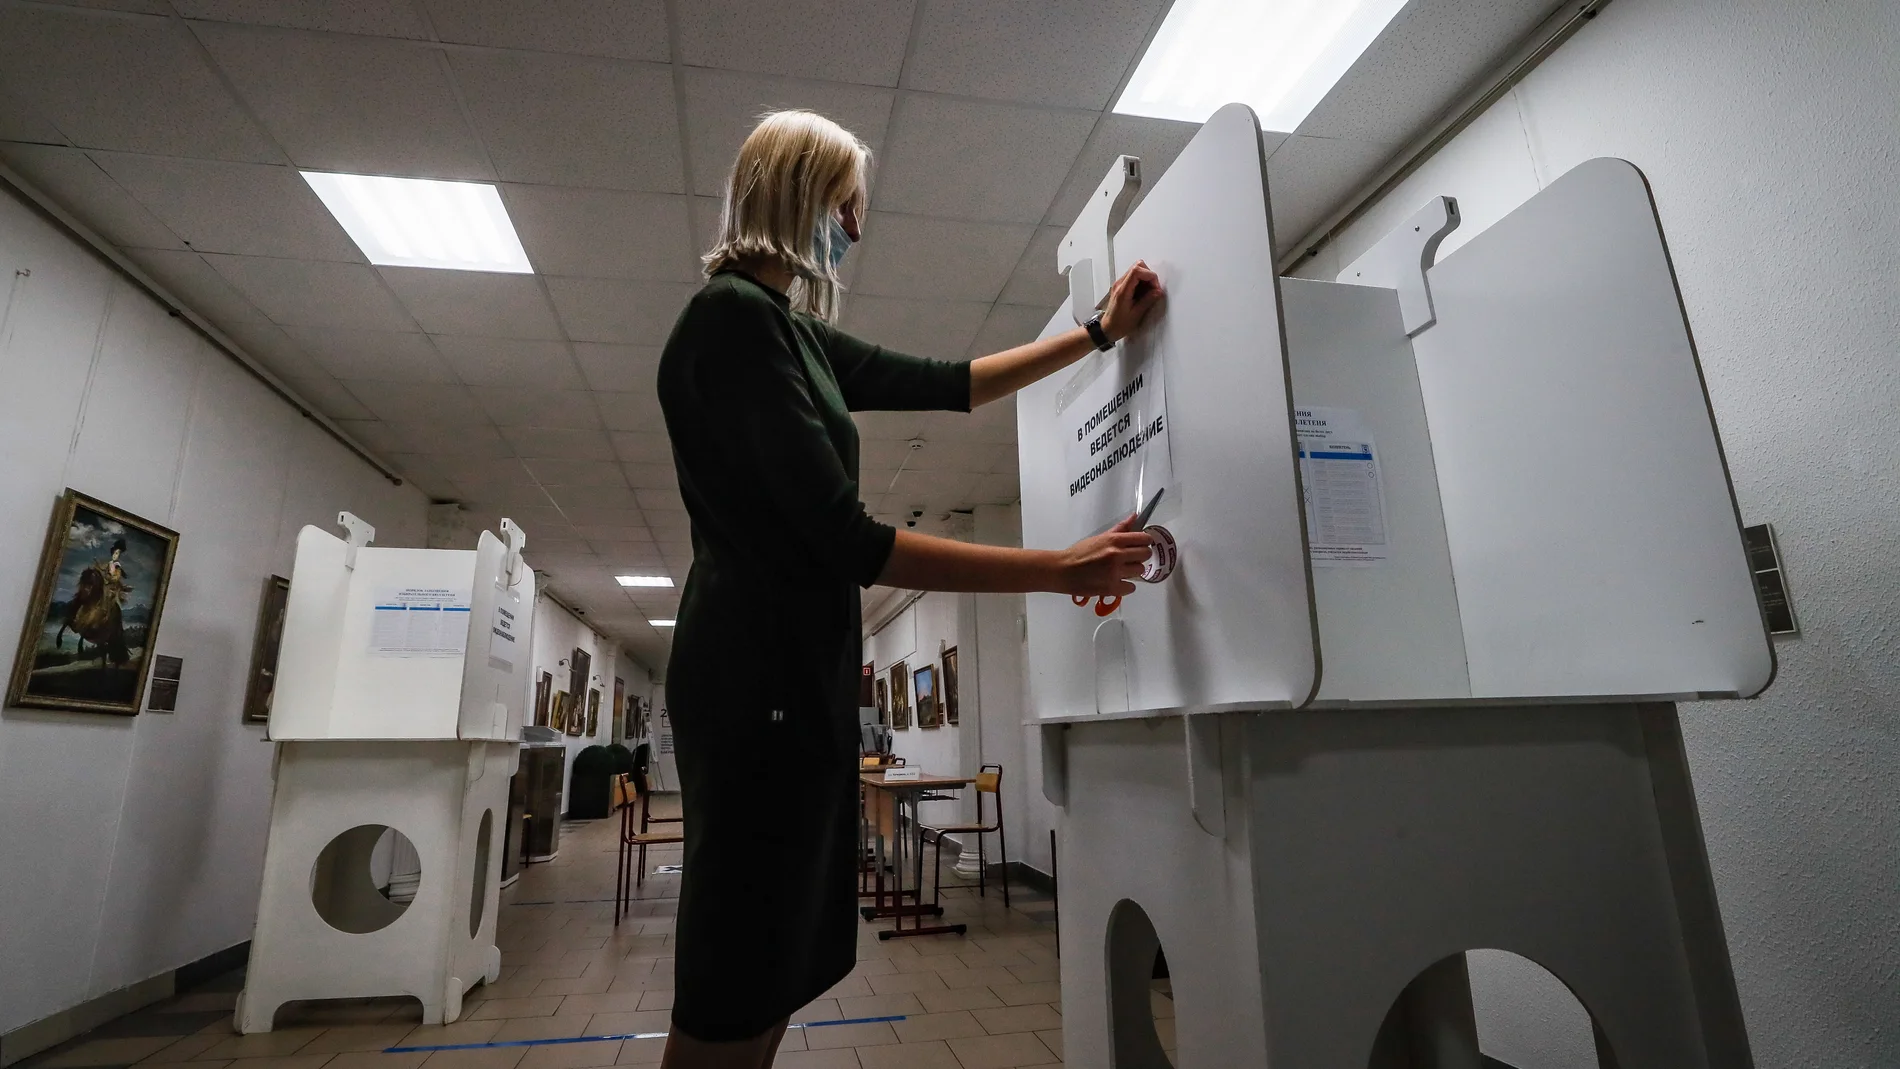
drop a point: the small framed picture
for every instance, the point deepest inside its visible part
(925, 681)
(900, 696)
(270, 635)
(592, 727)
(543, 694)
(884, 701)
(92, 621)
(557, 713)
(950, 686)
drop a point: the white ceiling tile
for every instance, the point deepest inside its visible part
(81, 187)
(478, 303)
(665, 500)
(941, 259)
(1307, 176)
(1156, 141)
(486, 473)
(368, 105)
(722, 106)
(419, 471)
(445, 437)
(595, 497)
(1008, 326)
(972, 159)
(1035, 281)
(559, 442)
(618, 367)
(574, 121)
(269, 346)
(662, 520)
(622, 29)
(373, 434)
(995, 490)
(643, 447)
(202, 290)
(636, 411)
(517, 502)
(628, 552)
(604, 233)
(613, 310)
(510, 362)
(514, 406)
(374, 355)
(1065, 53)
(19, 120)
(565, 471)
(952, 455)
(382, 18)
(835, 40)
(329, 396)
(252, 209)
(650, 476)
(625, 517)
(314, 293)
(1002, 460)
(596, 533)
(880, 454)
(890, 426)
(939, 329)
(441, 404)
(97, 77)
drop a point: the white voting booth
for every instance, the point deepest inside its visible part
(1450, 540)
(398, 706)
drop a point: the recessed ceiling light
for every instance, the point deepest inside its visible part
(422, 222)
(643, 580)
(1278, 57)
(659, 623)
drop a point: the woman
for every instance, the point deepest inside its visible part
(757, 387)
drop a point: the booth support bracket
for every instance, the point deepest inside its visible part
(1055, 764)
(516, 538)
(1086, 254)
(357, 533)
(1400, 260)
(1207, 789)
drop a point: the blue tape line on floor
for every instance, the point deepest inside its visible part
(622, 1035)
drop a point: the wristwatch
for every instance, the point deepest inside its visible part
(1097, 334)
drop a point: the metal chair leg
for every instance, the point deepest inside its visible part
(1002, 849)
(982, 868)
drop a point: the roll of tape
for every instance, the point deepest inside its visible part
(1162, 559)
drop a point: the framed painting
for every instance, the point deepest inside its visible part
(557, 714)
(543, 693)
(900, 696)
(616, 723)
(270, 636)
(92, 621)
(592, 726)
(884, 701)
(950, 685)
(580, 676)
(925, 682)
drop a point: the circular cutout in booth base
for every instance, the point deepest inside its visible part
(351, 880)
(478, 893)
(1489, 1004)
(1140, 993)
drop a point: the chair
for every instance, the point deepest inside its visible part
(644, 788)
(989, 780)
(631, 872)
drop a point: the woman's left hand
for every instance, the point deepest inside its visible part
(1131, 300)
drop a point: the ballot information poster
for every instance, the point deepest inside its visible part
(417, 621)
(1115, 442)
(1345, 503)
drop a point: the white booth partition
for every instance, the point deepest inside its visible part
(1446, 539)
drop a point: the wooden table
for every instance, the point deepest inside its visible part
(885, 802)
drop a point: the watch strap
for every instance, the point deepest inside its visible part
(1097, 334)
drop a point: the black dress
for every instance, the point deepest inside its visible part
(762, 686)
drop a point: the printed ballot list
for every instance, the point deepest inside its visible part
(1345, 503)
(416, 621)
(1115, 442)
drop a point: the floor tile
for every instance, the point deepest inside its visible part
(369, 1059)
(961, 998)
(897, 983)
(849, 1035)
(843, 1058)
(1024, 994)
(263, 1044)
(149, 1023)
(1001, 1052)
(613, 1024)
(195, 1001)
(641, 1052)
(1052, 1039)
(1028, 1018)
(571, 1055)
(121, 1051)
(361, 1037)
(539, 1006)
(931, 1026)
(282, 1061)
(479, 1058)
(437, 1035)
(185, 1049)
(934, 1054)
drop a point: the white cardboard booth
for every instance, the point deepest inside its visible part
(1448, 540)
(398, 707)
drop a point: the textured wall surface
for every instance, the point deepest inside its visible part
(132, 845)
(1770, 132)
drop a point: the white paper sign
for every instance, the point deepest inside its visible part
(1115, 441)
(503, 642)
(1345, 503)
(412, 621)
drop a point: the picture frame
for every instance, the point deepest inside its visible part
(592, 727)
(580, 676)
(543, 694)
(102, 579)
(557, 714)
(616, 723)
(264, 648)
(576, 714)
(924, 681)
(900, 696)
(950, 686)
(884, 701)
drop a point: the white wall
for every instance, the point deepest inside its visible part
(557, 633)
(1770, 132)
(133, 845)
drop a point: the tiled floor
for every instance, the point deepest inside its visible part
(987, 1000)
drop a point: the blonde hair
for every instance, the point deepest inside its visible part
(793, 170)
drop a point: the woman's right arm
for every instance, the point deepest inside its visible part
(1102, 565)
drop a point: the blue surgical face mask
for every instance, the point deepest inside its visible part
(840, 241)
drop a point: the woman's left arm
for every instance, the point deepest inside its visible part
(1130, 301)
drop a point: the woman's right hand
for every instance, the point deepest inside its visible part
(1104, 564)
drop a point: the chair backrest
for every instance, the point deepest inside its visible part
(989, 779)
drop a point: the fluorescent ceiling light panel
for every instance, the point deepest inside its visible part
(422, 222)
(660, 623)
(1279, 57)
(643, 580)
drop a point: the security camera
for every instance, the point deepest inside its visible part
(915, 515)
